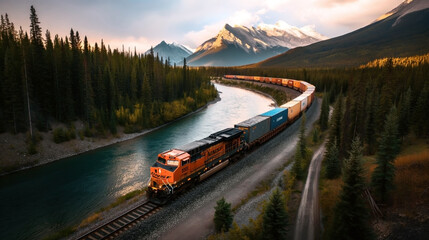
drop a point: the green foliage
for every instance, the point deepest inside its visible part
(275, 217)
(67, 79)
(351, 214)
(63, 135)
(384, 174)
(324, 114)
(223, 216)
(336, 122)
(333, 166)
(316, 134)
(301, 151)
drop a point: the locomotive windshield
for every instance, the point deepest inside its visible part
(161, 160)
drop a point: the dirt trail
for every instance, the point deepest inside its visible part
(307, 225)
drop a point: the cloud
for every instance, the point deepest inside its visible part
(330, 3)
(190, 22)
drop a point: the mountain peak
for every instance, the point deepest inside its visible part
(258, 42)
(406, 7)
(174, 51)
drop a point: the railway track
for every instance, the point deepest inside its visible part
(122, 223)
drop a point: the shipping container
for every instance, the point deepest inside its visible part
(296, 84)
(254, 128)
(278, 116)
(293, 108)
(290, 83)
(309, 99)
(303, 101)
(284, 82)
(303, 86)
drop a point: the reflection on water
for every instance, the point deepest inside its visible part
(42, 200)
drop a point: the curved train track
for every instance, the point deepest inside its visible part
(122, 223)
(129, 219)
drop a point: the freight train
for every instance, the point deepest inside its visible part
(178, 168)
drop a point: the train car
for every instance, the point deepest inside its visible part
(273, 80)
(303, 87)
(254, 128)
(177, 167)
(277, 116)
(284, 82)
(290, 83)
(267, 80)
(296, 84)
(230, 76)
(309, 98)
(303, 102)
(279, 81)
(294, 108)
(257, 79)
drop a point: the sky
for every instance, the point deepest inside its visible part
(145, 23)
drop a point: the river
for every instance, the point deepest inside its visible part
(39, 201)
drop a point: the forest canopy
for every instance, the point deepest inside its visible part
(44, 79)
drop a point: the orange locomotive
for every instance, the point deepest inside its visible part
(177, 168)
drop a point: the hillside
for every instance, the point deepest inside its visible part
(405, 33)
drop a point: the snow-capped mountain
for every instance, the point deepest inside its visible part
(174, 51)
(241, 45)
(406, 7)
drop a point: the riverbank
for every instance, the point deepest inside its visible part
(13, 148)
(279, 94)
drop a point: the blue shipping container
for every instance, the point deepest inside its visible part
(278, 116)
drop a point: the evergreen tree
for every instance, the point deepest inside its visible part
(223, 216)
(405, 113)
(336, 122)
(301, 151)
(324, 113)
(275, 218)
(421, 114)
(333, 168)
(351, 214)
(384, 174)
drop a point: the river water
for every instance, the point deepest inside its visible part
(39, 201)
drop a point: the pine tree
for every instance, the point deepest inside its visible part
(324, 113)
(384, 174)
(223, 216)
(421, 128)
(351, 214)
(275, 218)
(405, 113)
(333, 168)
(336, 122)
(301, 151)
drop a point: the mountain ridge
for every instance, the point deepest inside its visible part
(173, 51)
(385, 37)
(251, 44)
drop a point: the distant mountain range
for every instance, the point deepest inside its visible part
(174, 51)
(241, 45)
(402, 32)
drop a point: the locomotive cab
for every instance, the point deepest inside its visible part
(166, 171)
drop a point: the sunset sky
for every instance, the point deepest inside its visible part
(189, 22)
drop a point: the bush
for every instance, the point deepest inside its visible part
(64, 135)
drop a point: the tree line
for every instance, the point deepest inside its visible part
(45, 79)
